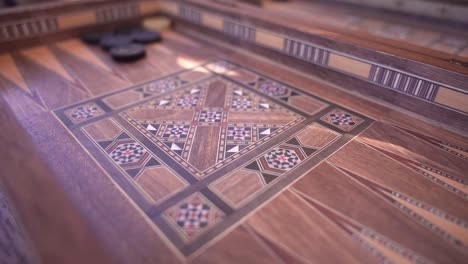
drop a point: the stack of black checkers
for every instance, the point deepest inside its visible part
(124, 45)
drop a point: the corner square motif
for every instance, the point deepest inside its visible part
(84, 112)
(342, 119)
(193, 216)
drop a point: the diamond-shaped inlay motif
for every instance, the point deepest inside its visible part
(193, 216)
(188, 101)
(83, 112)
(241, 103)
(342, 119)
(217, 126)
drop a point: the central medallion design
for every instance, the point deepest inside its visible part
(207, 125)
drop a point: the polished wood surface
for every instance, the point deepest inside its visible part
(423, 36)
(392, 186)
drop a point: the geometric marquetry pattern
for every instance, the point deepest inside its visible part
(128, 154)
(280, 159)
(198, 145)
(84, 112)
(269, 87)
(342, 119)
(228, 118)
(283, 158)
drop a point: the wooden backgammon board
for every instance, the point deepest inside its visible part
(231, 132)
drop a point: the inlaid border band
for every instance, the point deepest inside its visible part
(389, 78)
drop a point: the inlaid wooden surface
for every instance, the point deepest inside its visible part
(313, 50)
(207, 155)
(414, 34)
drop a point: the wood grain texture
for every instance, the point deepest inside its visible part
(306, 104)
(16, 245)
(316, 136)
(290, 223)
(216, 94)
(204, 148)
(238, 186)
(160, 183)
(401, 143)
(252, 251)
(53, 83)
(55, 226)
(329, 186)
(260, 118)
(371, 164)
(301, 225)
(300, 27)
(89, 70)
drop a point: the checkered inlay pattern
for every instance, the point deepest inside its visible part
(192, 215)
(176, 131)
(239, 133)
(210, 116)
(84, 112)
